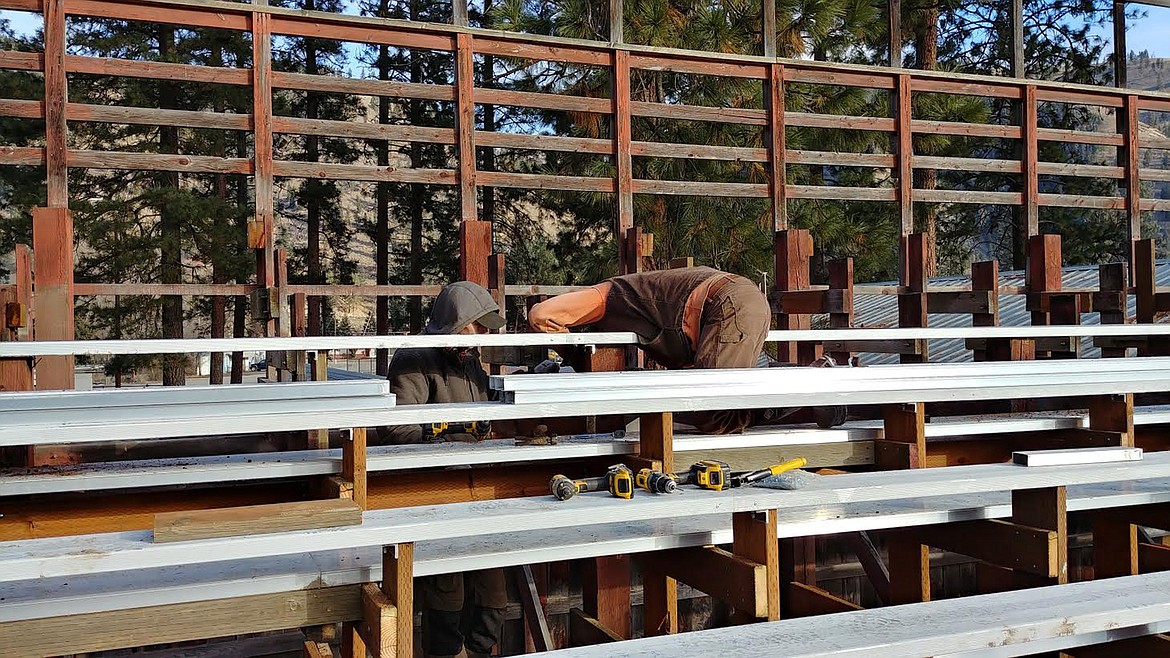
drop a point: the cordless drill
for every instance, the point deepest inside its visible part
(479, 429)
(619, 480)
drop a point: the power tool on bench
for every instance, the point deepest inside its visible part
(707, 474)
(656, 481)
(479, 429)
(619, 480)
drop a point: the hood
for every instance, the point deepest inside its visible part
(460, 304)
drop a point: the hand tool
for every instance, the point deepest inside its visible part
(741, 479)
(656, 481)
(618, 479)
(476, 428)
(707, 474)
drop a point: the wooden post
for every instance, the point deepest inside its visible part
(1030, 147)
(912, 304)
(617, 32)
(769, 28)
(1113, 304)
(985, 276)
(754, 537)
(909, 569)
(904, 152)
(903, 442)
(841, 281)
(1130, 157)
(1044, 271)
(774, 105)
(659, 591)
(894, 27)
(1113, 413)
(496, 282)
(1045, 509)
(1016, 16)
(623, 160)
(53, 301)
(56, 95)
(459, 13)
(605, 592)
(16, 323)
(353, 464)
(465, 124)
(1120, 48)
(398, 586)
(798, 565)
(793, 248)
(475, 248)
(1115, 545)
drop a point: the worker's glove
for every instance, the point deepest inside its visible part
(545, 367)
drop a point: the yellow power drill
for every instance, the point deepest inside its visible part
(479, 429)
(619, 479)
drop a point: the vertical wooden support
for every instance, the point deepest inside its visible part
(1066, 310)
(1144, 280)
(912, 304)
(623, 160)
(1114, 287)
(798, 565)
(841, 281)
(894, 27)
(465, 124)
(793, 249)
(1016, 16)
(754, 537)
(909, 569)
(497, 284)
(1115, 545)
(353, 464)
(56, 94)
(903, 442)
(1030, 149)
(459, 13)
(656, 439)
(398, 586)
(605, 592)
(260, 229)
(769, 28)
(985, 277)
(475, 248)
(1129, 157)
(1046, 509)
(632, 244)
(617, 23)
(352, 644)
(53, 302)
(16, 322)
(776, 149)
(1113, 413)
(1044, 271)
(904, 151)
(1120, 48)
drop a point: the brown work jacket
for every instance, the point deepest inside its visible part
(432, 375)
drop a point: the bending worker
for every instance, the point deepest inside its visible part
(687, 317)
(442, 374)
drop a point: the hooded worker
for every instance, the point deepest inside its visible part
(463, 613)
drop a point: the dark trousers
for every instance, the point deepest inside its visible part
(463, 610)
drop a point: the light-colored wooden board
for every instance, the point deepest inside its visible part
(255, 520)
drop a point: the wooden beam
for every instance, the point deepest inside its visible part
(353, 465)
(1030, 148)
(904, 150)
(56, 96)
(605, 592)
(53, 301)
(181, 622)
(1120, 49)
(465, 125)
(808, 600)
(622, 132)
(475, 249)
(1149, 646)
(379, 626)
(754, 538)
(908, 346)
(841, 316)
(985, 278)
(1115, 541)
(1016, 17)
(1113, 413)
(736, 580)
(656, 440)
(1046, 509)
(963, 301)
(260, 230)
(255, 520)
(871, 562)
(1130, 157)
(585, 630)
(903, 424)
(313, 649)
(1153, 557)
(894, 28)
(659, 599)
(398, 586)
(617, 31)
(778, 175)
(1003, 543)
(909, 569)
(912, 304)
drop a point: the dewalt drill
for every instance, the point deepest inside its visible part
(479, 429)
(619, 479)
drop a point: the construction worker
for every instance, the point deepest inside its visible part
(691, 317)
(463, 613)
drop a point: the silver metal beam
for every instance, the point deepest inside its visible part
(181, 395)
(52, 597)
(1018, 623)
(72, 556)
(186, 346)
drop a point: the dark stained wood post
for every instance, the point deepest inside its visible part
(776, 149)
(623, 160)
(465, 124)
(904, 154)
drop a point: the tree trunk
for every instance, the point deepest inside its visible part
(171, 226)
(218, 269)
(487, 80)
(416, 191)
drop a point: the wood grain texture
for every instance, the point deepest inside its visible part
(398, 585)
(56, 93)
(605, 592)
(379, 625)
(254, 520)
(179, 622)
(623, 134)
(585, 630)
(777, 151)
(53, 302)
(353, 465)
(465, 125)
(260, 234)
(1046, 509)
(808, 600)
(754, 538)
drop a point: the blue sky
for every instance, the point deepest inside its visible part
(1146, 34)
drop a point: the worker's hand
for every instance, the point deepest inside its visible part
(545, 367)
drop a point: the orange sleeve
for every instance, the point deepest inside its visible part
(572, 309)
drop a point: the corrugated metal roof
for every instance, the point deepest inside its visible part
(882, 311)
